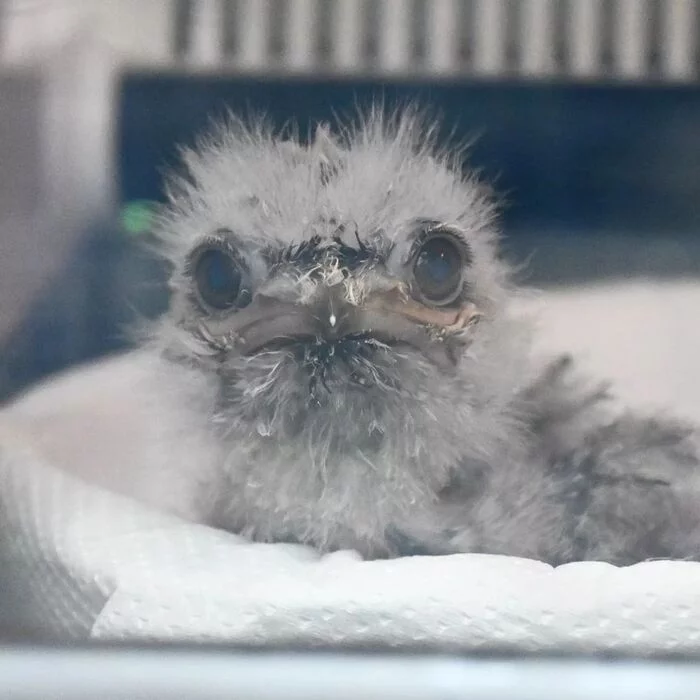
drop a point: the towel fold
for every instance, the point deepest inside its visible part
(80, 562)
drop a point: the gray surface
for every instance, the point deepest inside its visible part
(23, 263)
(199, 675)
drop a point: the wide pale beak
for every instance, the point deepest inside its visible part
(389, 317)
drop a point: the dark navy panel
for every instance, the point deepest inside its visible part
(569, 158)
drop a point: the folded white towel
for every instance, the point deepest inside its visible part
(80, 562)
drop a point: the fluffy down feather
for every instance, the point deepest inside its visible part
(489, 453)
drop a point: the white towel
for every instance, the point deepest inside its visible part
(76, 561)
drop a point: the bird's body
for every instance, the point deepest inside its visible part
(340, 345)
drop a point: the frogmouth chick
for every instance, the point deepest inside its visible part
(341, 339)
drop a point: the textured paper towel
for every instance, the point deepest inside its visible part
(81, 562)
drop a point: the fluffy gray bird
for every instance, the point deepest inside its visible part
(340, 348)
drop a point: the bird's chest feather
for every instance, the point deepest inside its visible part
(343, 498)
(345, 463)
(337, 462)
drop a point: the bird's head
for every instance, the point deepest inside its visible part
(349, 283)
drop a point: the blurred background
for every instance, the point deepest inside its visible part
(585, 114)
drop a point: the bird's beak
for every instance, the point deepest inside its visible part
(390, 317)
(447, 320)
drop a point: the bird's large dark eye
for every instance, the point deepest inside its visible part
(220, 279)
(438, 269)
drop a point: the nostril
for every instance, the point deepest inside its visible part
(333, 322)
(332, 311)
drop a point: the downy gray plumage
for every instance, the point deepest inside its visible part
(341, 344)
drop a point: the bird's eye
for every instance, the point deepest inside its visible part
(438, 269)
(220, 279)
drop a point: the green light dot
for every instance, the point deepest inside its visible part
(137, 217)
